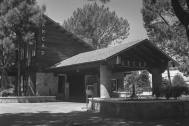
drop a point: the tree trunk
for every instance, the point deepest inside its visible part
(134, 92)
(181, 14)
(168, 72)
(3, 79)
(18, 72)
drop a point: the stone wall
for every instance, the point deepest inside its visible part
(46, 84)
(28, 99)
(141, 109)
(31, 87)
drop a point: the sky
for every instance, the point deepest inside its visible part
(60, 10)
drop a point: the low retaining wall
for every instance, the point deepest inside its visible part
(28, 99)
(141, 109)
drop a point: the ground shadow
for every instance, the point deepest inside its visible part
(76, 100)
(80, 118)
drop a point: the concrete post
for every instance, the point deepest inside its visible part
(105, 82)
(156, 82)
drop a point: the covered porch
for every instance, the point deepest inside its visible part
(99, 67)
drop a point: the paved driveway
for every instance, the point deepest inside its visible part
(69, 114)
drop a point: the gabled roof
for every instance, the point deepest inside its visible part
(107, 53)
(60, 27)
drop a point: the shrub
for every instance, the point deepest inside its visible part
(166, 89)
(3, 93)
(178, 80)
(177, 91)
(185, 89)
(144, 80)
(178, 84)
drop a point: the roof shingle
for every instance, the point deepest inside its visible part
(96, 55)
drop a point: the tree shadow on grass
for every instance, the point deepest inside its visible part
(81, 118)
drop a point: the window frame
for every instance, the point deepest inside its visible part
(33, 49)
(116, 85)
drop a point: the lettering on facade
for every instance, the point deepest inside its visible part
(43, 37)
(144, 64)
(43, 31)
(43, 45)
(132, 63)
(139, 64)
(42, 52)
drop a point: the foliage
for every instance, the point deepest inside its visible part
(178, 80)
(103, 1)
(184, 68)
(185, 89)
(178, 83)
(97, 25)
(3, 93)
(176, 89)
(164, 29)
(132, 78)
(17, 17)
(182, 12)
(137, 80)
(144, 80)
(141, 80)
(7, 57)
(166, 88)
(165, 82)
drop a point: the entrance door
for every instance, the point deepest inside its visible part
(61, 84)
(89, 80)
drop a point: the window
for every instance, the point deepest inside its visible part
(28, 55)
(27, 51)
(33, 49)
(22, 54)
(114, 85)
(28, 62)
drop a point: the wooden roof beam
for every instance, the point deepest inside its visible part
(136, 52)
(149, 55)
(145, 59)
(49, 23)
(136, 57)
(159, 56)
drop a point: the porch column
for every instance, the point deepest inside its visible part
(156, 81)
(105, 81)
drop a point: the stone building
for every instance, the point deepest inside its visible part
(59, 63)
(52, 45)
(99, 67)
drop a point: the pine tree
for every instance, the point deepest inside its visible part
(97, 25)
(17, 20)
(7, 57)
(164, 29)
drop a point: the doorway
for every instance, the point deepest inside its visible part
(89, 80)
(61, 83)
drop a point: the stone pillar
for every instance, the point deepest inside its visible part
(105, 82)
(156, 81)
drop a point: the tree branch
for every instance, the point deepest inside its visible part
(187, 2)
(180, 13)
